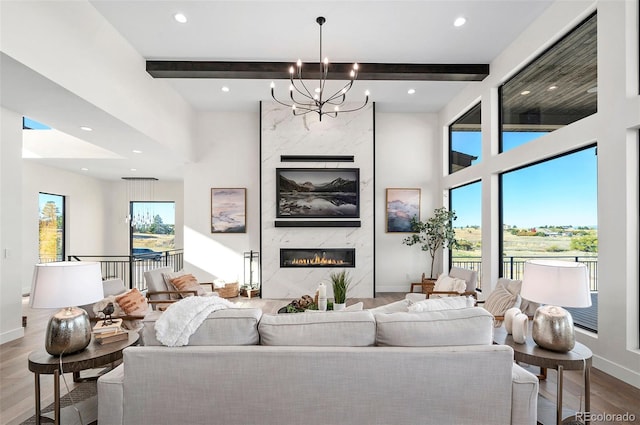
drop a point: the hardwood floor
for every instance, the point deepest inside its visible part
(608, 395)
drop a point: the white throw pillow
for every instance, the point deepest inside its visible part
(354, 307)
(436, 304)
(450, 284)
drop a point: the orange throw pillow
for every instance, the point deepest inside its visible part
(187, 282)
(133, 303)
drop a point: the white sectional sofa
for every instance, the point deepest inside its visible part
(360, 367)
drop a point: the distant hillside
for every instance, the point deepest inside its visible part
(337, 185)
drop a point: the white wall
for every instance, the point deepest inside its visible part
(228, 146)
(615, 129)
(10, 232)
(407, 149)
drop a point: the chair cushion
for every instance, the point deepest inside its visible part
(465, 326)
(336, 329)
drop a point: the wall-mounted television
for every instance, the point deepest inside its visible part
(318, 192)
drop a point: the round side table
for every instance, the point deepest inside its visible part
(530, 353)
(94, 356)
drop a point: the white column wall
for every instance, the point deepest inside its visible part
(286, 134)
(229, 150)
(615, 129)
(406, 151)
(11, 274)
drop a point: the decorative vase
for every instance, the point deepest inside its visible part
(508, 318)
(339, 306)
(553, 329)
(520, 328)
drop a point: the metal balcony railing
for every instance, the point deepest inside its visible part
(131, 268)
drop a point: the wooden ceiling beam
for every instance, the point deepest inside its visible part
(337, 71)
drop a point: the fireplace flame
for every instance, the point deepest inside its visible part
(317, 260)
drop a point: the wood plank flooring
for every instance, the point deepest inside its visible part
(608, 395)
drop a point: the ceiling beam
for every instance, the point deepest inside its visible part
(337, 71)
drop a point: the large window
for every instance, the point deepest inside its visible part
(549, 209)
(152, 229)
(466, 201)
(556, 89)
(51, 228)
(465, 140)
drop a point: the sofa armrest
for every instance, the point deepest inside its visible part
(524, 401)
(111, 397)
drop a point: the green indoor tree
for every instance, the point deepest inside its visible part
(433, 234)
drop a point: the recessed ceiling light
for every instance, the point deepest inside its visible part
(593, 90)
(525, 92)
(136, 151)
(552, 88)
(411, 91)
(225, 89)
(459, 21)
(85, 128)
(180, 17)
(84, 169)
(134, 169)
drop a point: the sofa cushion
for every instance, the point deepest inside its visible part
(231, 326)
(338, 329)
(466, 326)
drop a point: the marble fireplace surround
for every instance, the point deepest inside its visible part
(315, 144)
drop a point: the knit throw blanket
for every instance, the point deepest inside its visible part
(182, 318)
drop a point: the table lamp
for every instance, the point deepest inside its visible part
(556, 284)
(66, 285)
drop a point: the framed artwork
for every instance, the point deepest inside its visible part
(402, 206)
(318, 192)
(228, 210)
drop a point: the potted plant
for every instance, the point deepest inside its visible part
(340, 282)
(433, 234)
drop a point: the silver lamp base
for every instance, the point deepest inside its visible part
(553, 329)
(69, 331)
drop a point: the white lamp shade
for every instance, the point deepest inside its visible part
(559, 283)
(66, 284)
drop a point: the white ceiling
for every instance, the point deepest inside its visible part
(264, 30)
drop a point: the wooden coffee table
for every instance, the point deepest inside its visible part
(530, 353)
(94, 356)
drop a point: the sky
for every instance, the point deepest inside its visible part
(562, 191)
(166, 210)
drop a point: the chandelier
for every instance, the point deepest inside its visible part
(302, 99)
(139, 190)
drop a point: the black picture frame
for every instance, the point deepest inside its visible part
(317, 193)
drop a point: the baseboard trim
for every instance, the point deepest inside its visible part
(11, 335)
(620, 372)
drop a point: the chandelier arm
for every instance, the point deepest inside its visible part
(308, 95)
(342, 92)
(366, 102)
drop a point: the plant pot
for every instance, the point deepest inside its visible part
(339, 306)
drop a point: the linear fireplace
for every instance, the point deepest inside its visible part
(322, 257)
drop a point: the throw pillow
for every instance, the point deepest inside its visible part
(500, 300)
(133, 303)
(354, 307)
(187, 282)
(436, 304)
(450, 284)
(394, 307)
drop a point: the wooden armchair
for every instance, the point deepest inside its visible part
(159, 294)
(469, 276)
